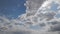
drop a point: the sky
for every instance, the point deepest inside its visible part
(12, 8)
(29, 16)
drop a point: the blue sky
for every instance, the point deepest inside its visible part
(54, 6)
(12, 8)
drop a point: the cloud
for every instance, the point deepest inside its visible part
(32, 6)
(38, 12)
(18, 29)
(54, 25)
(45, 15)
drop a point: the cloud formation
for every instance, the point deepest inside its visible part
(38, 12)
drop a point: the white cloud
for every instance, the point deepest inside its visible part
(36, 14)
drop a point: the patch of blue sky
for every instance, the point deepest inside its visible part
(57, 16)
(54, 6)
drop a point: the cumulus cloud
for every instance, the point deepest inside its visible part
(38, 12)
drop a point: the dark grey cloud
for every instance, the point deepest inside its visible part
(42, 24)
(54, 25)
(55, 28)
(21, 32)
(16, 32)
(54, 22)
